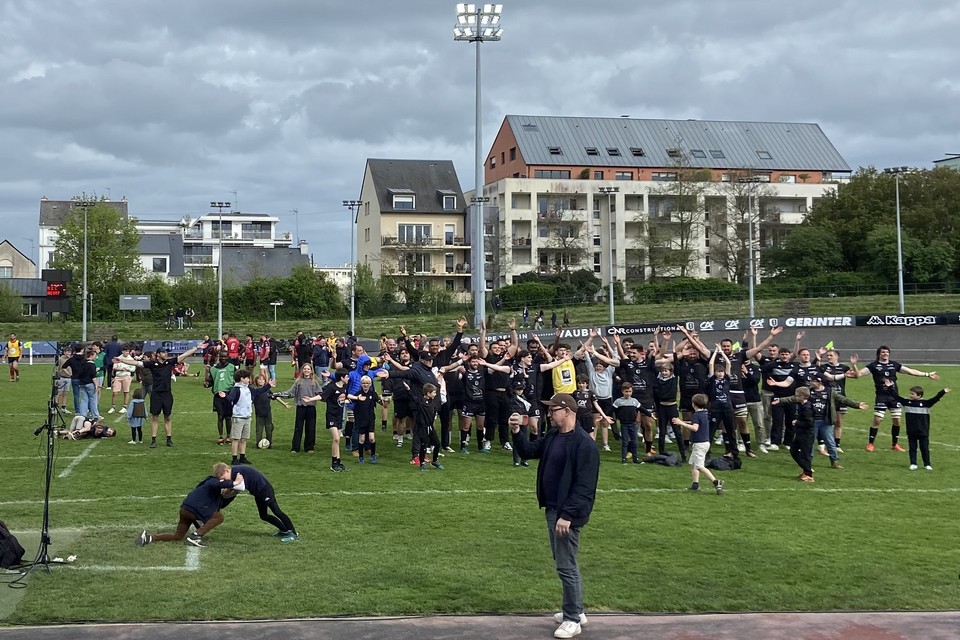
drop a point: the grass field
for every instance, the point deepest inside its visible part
(388, 539)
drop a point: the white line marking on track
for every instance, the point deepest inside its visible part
(83, 454)
(193, 559)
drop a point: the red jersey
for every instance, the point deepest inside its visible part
(233, 348)
(249, 353)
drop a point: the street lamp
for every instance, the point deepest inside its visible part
(610, 191)
(296, 219)
(220, 206)
(351, 205)
(85, 204)
(896, 171)
(751, 269)
(476, 23)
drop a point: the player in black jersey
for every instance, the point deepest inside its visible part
(883, 368)
(835, 375)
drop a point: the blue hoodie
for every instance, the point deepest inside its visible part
(353, 380)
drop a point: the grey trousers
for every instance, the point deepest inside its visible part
(565, 550)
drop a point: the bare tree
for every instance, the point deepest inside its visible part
(563, 218)
(738, 204)
(676, 218)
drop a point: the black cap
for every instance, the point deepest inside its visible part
(426, 355)
(518, 384)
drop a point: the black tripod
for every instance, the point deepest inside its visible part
(54, 419)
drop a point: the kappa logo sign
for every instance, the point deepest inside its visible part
(901, 321)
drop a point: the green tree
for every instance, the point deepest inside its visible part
(311, 293)
(806, 252)
(922, 262)
(11, 304)
(113, 254)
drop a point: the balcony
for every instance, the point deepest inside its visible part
(520, 243)
(422, 243)
(565, 215)
(195, 260)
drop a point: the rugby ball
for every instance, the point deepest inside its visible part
(263, 444)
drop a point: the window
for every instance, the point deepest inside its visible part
(215, 226)
(366, 234)
(529, 128)
(596, 237)
(624, 175)
(673, 153)
(51, 258)
(598, 175)
(596, 262)
(449, 202)
(6, 272)
(725, 177)
(543, 231)
(706, 264)
(159, 265)
(406, 202)
(613, 151)
(787, 178)
(493, 162)
(663, 177)
(637, 152)
(513, 154)
(448, 284)
(596, 210)
(503, 157)
(366, 208)
(697, 153)
(555, 151)
(764, 155)
(717, 154)
(488, 230)
(30, 309)
(413, 233)
(448, 263)
(592, 151)
(706, 242)
(449, 232)
(555, 174)
(414, 262)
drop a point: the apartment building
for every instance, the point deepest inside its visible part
(252, 244)
(411, 224)
(636, 199)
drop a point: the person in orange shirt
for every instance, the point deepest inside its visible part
(14, 350)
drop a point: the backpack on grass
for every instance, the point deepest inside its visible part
(11, 551)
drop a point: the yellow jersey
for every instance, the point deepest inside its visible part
(564, 378)
(14, 349)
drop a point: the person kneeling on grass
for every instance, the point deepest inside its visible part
(699, 427)
(81, 427)
(262, 491)
(202, 504)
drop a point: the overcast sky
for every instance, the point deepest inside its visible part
(176, 103)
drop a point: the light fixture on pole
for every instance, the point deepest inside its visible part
(751, 268)
(85, 204)
(476, 23)
(274, 304)
(220, 206)
(351, 205)
(896, 172)
(612, 226)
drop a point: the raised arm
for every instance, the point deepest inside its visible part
(757, 348)
(189, 352)
(920, 374)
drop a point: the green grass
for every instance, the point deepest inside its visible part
(581, 315)
(388, 539)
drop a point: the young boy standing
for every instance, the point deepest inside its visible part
(240, 400)
(423, 431)
(917, 411)
(804, 434)
(365, 402)
(699, 427)
(626, 409)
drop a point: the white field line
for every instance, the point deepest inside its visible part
(461, 492)
(83, 454)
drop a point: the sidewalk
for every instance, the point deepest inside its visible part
(755, 626)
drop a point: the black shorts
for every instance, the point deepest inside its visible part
(333, 422)
(686, 400)
(473, 408)
(161, 402)
(249, 364)
(12, 360)
(220, 405)
(606, 405)
(401, 409)
(366, 428)
(649, 410)
(586, 423)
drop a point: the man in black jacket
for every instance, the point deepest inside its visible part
(566, 489)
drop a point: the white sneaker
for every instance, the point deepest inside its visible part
(839, 450)
(763, 448)
(486, 445)
(718, 440)
(558, 618)
(772, 447)
(132, 442)
(112, 410)
(123, 409)
(606, 447)
(507, 446)
(928, 468)
(567, 629)
(767, 442)
(399, 442)
(913, 467)
(822, 447)
(741, 447)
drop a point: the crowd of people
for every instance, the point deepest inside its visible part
(627, 391)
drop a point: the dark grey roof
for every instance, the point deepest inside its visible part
(27, 287)
(791, 146)
(170, 244)
(242, 264)
(54, 212)
(426, 179)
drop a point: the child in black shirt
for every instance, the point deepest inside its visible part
(364, 417)
(917, 412)
(425, 413)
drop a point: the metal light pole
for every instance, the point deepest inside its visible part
(296, 219)
(351, 204)
(896, 171)
(750, 268)
(84, 203)
(220, 206)
(478, 24)
(612, 227)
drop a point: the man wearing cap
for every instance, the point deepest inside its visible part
(161, 396)
(566, 489)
